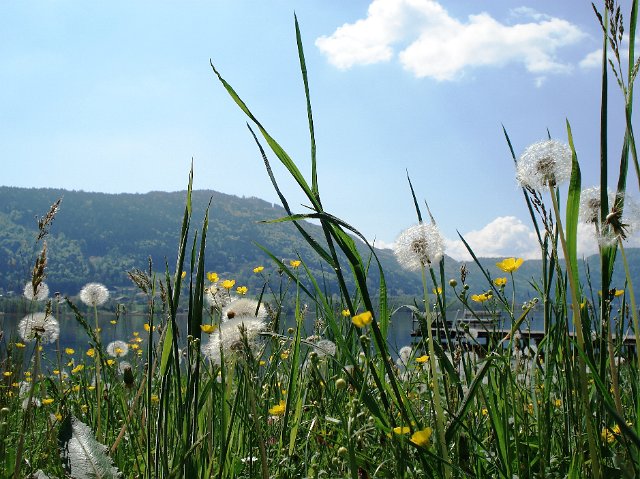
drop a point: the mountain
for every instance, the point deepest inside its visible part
(99, 237)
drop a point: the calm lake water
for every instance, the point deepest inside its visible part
(72, 335)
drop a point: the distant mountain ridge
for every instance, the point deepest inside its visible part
(99, 237)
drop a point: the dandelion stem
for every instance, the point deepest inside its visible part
(577, 320)
(442, 445)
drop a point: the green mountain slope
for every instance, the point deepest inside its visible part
(99, 237)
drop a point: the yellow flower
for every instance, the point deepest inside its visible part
(155, 399)
(147, 328)
(58, 416)
(135, 346)
(509, 265)
(242, 289)
(346, 313)
(69, 350)
(213, 277)
(228, 283)
(278, 409)
(78, 368)
(500, 282)
(262, 362)
(6, 374)
(113, 321)
(607, 435)
(481, 298)
(258, 269)
(111, 362)
(558, 402)
(295, 263)
(422, 359)
(136, 333)
(437, 290)
(47, 401)
(183, 275)
(362, 319)
(484, 411)
(284, 355)
(91, 352)
(21, 345)
(422, 437)
(208, 328)
(619, 292)
(402, 430)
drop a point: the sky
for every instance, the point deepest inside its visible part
(120, 97)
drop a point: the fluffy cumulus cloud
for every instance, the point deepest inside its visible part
(429, 42)
(504, 236)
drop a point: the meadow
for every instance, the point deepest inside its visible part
(236, 389)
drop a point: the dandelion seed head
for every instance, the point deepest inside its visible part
(94, 294)
(117, 349)
(244, 307)
(324, 347)
(419, 246)
(228, 336)
(123, 366)
(39, 324)
(404, 356)
(40, 294)
(216, 297)
(543, 164)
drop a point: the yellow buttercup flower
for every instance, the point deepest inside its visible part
(362, 319)
(295, 263)
(21, 345)
(258, 269)
(421, 438)
(284, 355)
(607, 435)
(208, 328)
(47, 401)
(346, 313)
(509, 265)
(183, 275)
(242, 290)
(147, 328)
(212, 277)
(619, 292)
(481, 298)
(402, 430)
(111, 362)
(6, 374)
(228, 283)
(69, 350)
(500, 282)
(91, 352)
(113, 321)
(278, 409)
(78, 368)
(422, 359)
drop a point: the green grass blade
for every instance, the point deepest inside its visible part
(573, 208)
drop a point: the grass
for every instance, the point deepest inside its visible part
(279, 404)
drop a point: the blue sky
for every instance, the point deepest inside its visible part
(119, 97)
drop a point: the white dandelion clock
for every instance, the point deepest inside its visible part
(590, 204)
(544, 164)
(404, 356)
(117, 349)
(216, 297)
(40, 294)
(228, 337)
(40, 325)
(419, 246)
(324, 347)
(94, 294)
(244, 307)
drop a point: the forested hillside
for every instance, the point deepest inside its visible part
(99, 237)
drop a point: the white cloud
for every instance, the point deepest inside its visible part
(434, 44)
(504, 236)
(592, 60)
